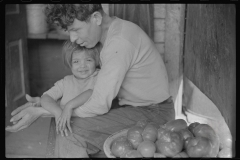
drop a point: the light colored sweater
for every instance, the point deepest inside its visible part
(132, 69)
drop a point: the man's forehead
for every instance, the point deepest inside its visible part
(76, 24)
(69, 28)
(72, 26)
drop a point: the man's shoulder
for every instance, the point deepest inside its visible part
(124, 31)
(123, 28)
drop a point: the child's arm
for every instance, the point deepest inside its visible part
(67, 111)
(51, 105)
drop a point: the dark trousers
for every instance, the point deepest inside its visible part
(90, 133)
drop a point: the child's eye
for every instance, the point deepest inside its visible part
(75, 61)
(89, 60)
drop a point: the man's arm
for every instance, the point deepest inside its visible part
(45, 113)
(116, 61)
(25, 116)
(80, 99)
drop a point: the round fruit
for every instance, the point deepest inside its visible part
(161, 131)
(204, 130)
(142, 123)
(192, 126)
(198, 147)
(159, 155)
(154, 124)
(120, 146)
(175, 125)
(150, 133)
(132, 154)
(147, 148)
(169, 143)
(134, 136)
(181, 155)
(185, 133)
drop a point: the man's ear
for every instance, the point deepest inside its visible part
(97, 17)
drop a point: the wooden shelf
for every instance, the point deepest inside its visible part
(49, 35)
(37, 36)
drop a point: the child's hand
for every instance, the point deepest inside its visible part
(56, 121)
(64, 119)
(64, 132)
(57, 117)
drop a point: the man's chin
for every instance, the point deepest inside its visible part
(89, 46)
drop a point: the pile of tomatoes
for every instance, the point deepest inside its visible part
(173, 139)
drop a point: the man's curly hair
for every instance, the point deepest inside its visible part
(64, 14)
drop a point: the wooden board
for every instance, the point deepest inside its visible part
(16, 58)
(45, 64)
(210, 55)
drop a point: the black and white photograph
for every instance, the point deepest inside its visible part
(113, 80)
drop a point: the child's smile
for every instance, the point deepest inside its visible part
(83, 65)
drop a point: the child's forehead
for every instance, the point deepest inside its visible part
(82, 53)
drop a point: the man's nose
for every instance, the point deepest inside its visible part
(73, 36)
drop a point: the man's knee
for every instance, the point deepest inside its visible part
(70, 147)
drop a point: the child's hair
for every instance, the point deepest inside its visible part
(70, 47)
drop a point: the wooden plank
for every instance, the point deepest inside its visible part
(46, 64)
(29, 142)
(16, 58)
(51, 139)
(210, 55)
(159, 10)
(174, 51)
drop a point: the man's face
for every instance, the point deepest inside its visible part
(86, 34)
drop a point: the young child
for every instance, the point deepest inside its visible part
(73, 90)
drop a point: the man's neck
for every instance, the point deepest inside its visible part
(106, 23)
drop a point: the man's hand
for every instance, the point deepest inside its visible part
(24, 118)
(32, 101)
(24, 115)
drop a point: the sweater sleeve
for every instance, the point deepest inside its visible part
(116, 59)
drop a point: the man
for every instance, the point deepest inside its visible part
(131, 69)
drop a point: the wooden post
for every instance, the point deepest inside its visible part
(174, 33)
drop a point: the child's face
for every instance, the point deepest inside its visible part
(83, 65)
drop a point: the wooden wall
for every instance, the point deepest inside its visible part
(210, 56)
(173, 52)
(16, 58)
(45, 64)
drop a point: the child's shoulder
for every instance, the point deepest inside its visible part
(68, 78)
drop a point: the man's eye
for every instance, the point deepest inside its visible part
(75, 61)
